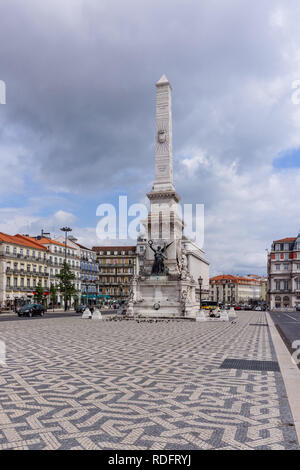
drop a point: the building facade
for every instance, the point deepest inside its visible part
(284, 274)
(116, 268)
(23, 266)
(197, 265)
(55, 257)
(234, 290)
(89, 272)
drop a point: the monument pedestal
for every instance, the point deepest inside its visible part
(160, 296)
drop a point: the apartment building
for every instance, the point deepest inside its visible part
(57, 253)
(89, 272)
(23, 266)
(228, 289)
(116, 268)
(284, 274)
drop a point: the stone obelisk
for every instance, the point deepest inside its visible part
(164, 224)
(163, 145)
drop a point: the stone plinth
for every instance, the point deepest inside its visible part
(87, 313)
(161, 297)
(97, 315)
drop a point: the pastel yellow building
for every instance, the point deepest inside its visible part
(23, 266)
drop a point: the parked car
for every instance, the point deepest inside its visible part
(80, 308)
(247, 307)
(258, 309)
(237, 307)
(30, 310)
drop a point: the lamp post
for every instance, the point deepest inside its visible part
(200, 280)
(121, 295)
(224, 299)
(66, 230)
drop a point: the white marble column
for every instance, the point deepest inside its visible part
(163, 144)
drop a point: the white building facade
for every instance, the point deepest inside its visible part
(284, 274)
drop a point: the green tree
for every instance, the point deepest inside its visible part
(53, 295)
(66, 284)
(39, 293)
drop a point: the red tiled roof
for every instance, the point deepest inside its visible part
(236, 279)
(286, 240)
(49, 241)
(114, 248)
(20, 240)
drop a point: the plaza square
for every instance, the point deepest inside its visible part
(71, 383)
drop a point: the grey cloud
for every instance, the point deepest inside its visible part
(80, 91)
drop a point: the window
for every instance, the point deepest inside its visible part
(286, 285)
(15, 282)
(14, 250)
(7, 249)
(8, 282)
(277, 266)
(277, 285)
(298, 267)
(277, 256)
(28, 267)
(21, 251)
(277, 246)
(286, 256)
(286, 267)
(122, 253)
(286, 246)
(22, 282)
(297, 284)
(28, 282)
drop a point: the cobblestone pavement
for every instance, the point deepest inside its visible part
(71, 383)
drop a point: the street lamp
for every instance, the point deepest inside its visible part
(224, 299)
(200, 280)
(121, 295)
(66, 230)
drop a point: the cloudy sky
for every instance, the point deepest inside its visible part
(77, 128)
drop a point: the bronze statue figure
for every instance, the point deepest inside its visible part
(158, 267)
